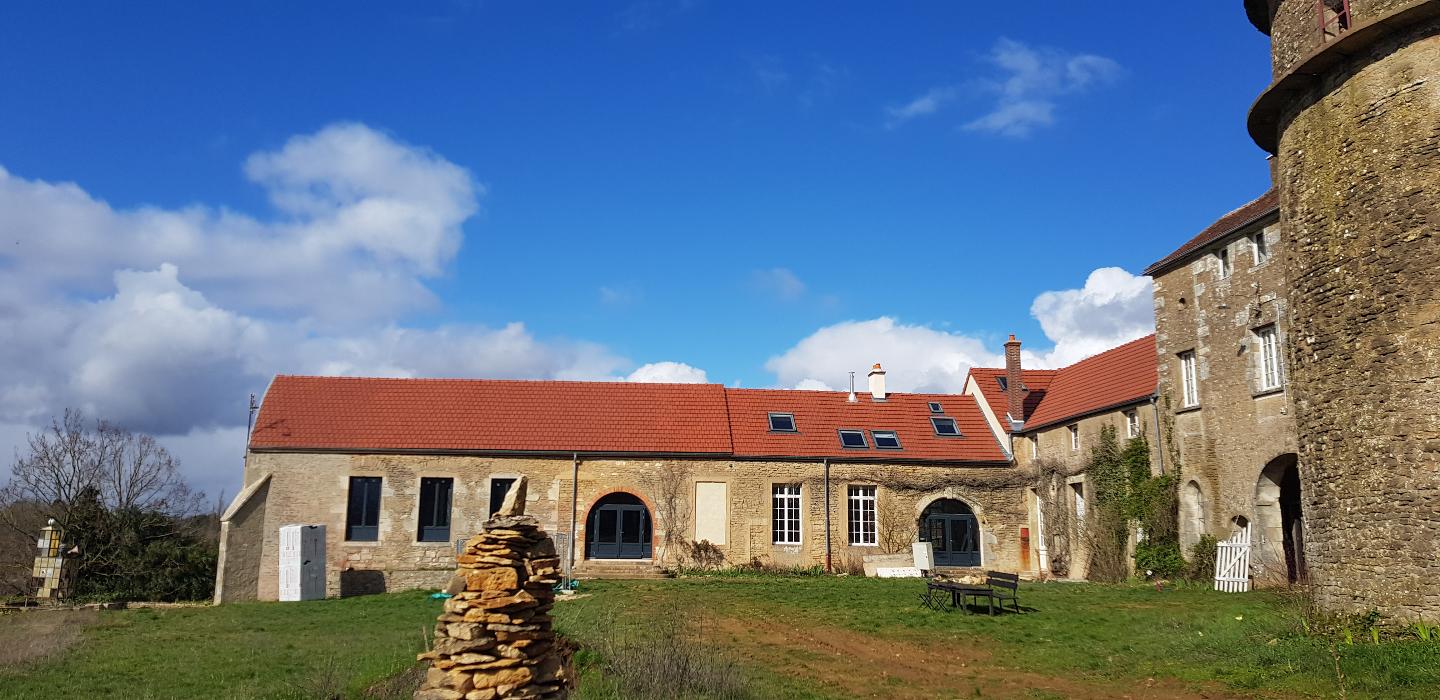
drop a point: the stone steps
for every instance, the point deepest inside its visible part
(619, 569)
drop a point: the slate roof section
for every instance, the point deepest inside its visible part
(1119, 376)
(484, 415)
(1036, 380)
(820, 414)
(1253, 211)
(362, 413)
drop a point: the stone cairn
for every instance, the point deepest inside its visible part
(494, 638)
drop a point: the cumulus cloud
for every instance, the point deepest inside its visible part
(668, 373)
(1113, 307)
(916, 358)
(164, 320)
(1024, 90)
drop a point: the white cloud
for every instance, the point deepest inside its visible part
(916, 358)
(164, 320)
(1113, 307)
(1031, 81)
(924, 105)
(668, 373)
(364, 219)
(779, 282)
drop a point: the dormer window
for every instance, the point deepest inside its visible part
(885, 439)
(945, 426)
(782, 422)
(935, 407)
(853, 439)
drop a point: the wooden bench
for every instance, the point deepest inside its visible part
(1004, 587)
(999, 587)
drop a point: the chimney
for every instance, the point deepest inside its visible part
(851, 398)
(1014, 382)
(877, 383)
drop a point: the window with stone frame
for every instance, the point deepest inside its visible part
(1074, 438)
(862, 516)
(1222, 259)
(435, 496)
(1259, 248)
(1189, 390)
(1132, 424)
(785, 517)
(362, 511)
(1269, 369)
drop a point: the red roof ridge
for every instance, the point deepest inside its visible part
(1233, 221)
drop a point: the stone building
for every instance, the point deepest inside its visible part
(1054, 417)
(625, 475)
(1221, 328)
(1351, 117)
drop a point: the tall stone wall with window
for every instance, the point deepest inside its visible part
(1239, 424)
(309, 487)
(1359, 179)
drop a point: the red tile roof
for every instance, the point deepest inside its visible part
(1257, 209)
(352, 413)
(1119, 376)
(500, 415)
(819, 414)
(1036, 380)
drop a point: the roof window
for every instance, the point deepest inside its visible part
(853, 439)
(935, 407)
(945, 426)
(782, 422)
(885, 439)
(1003, 382)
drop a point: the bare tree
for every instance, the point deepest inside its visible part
(896, 527)
(672, 491)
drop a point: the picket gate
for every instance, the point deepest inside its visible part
(1232, 563)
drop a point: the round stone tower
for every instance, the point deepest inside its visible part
(1353, 119)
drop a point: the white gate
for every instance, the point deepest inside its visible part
(1232, 563)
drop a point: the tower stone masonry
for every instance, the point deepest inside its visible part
(1353, 119)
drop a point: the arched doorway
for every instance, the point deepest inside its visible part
(1192, 516)
(1279, 518)
(954, 531)
(618, 528)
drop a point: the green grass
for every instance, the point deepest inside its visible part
(1110, 636)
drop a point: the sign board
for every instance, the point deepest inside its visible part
(897, 572)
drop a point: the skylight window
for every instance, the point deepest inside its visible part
(782, 422)
(945, 426)
(935, 407)
(854, 439)
(1003, 382)
(885, 439)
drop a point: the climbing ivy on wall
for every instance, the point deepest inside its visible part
(1125, 494)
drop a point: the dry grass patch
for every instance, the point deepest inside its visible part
(31, 635)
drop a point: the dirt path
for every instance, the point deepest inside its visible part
(32, 635)
(863, 666)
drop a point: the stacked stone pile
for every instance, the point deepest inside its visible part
(494, 638)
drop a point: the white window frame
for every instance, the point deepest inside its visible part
(1271, 373)
(1259, 248)
(1223, 257)
(785, 522)
(1035, 445)
(1189, 386)
(860, 516)
(1074, 437)
(1132, 424)
(1078, 488)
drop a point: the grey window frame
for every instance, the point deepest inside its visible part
(365, 530)
(434, 531)
(840, 433)
(936, 408)
(770, 421)
(935, 424)
(875, 440)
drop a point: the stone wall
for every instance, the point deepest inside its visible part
(1295, 30)
(312, 488)
(1225, 443)
(1359, 167)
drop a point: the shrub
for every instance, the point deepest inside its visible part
(702, 555)
(1160, 557)
(1202, 559)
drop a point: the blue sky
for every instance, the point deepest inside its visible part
(755, 190)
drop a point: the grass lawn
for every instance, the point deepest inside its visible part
(780, 637)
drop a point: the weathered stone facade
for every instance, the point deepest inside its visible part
(309, 487)
(1240, 427)
(1358, 146)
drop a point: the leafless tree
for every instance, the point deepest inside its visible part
(672, 490)
(896, 527)
(72, 466)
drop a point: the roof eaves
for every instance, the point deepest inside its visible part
(1187, 252)
(1092, 412)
